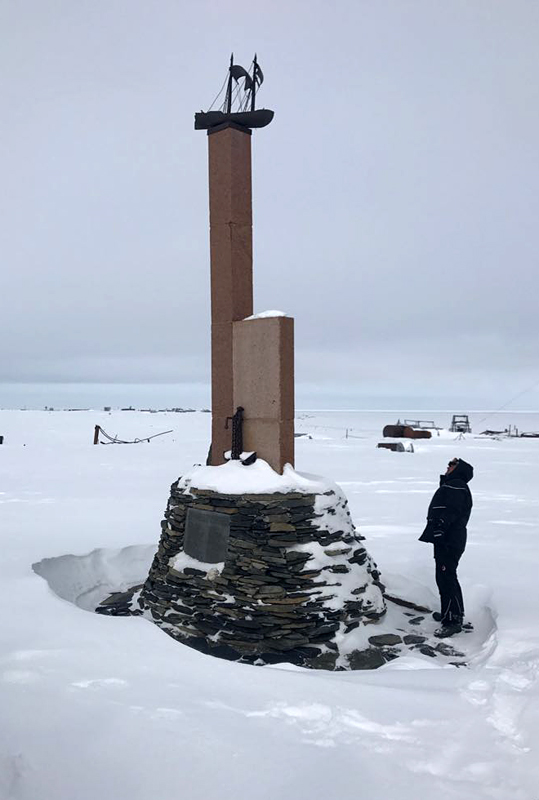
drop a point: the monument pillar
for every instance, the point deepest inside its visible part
(231, 248)
(264, 386)
(275, 602)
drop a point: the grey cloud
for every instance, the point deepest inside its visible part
(395, 194)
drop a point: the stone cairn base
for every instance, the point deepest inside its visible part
(295, 575)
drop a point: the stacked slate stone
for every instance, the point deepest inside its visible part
(295, 573)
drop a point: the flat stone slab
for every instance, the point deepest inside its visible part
(385, 639)
(366, 659)
(412, 638)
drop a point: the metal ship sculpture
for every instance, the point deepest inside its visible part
(239, 102)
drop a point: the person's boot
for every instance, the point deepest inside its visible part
(448, 629)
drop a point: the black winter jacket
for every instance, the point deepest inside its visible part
(450, 508)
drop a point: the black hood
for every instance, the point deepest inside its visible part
(462, 472)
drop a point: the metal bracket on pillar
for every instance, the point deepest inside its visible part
(237, 433)
(236, 453)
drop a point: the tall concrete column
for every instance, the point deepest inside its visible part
(231, 249)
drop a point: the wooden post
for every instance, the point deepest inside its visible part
(96, 434)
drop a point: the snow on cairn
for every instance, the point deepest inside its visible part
(295, 581)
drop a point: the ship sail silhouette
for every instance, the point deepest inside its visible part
(239, 104)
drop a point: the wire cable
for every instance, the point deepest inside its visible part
(218, 93)
(516, 396)
(115, 440)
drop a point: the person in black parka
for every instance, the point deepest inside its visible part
(447, 517)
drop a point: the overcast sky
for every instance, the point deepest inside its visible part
(395, 193)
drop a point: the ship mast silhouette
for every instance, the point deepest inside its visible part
(239, 105)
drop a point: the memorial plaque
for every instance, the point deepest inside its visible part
(206, 535)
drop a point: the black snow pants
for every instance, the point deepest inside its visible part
(447, 558)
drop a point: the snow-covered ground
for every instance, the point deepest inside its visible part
(100, 707)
